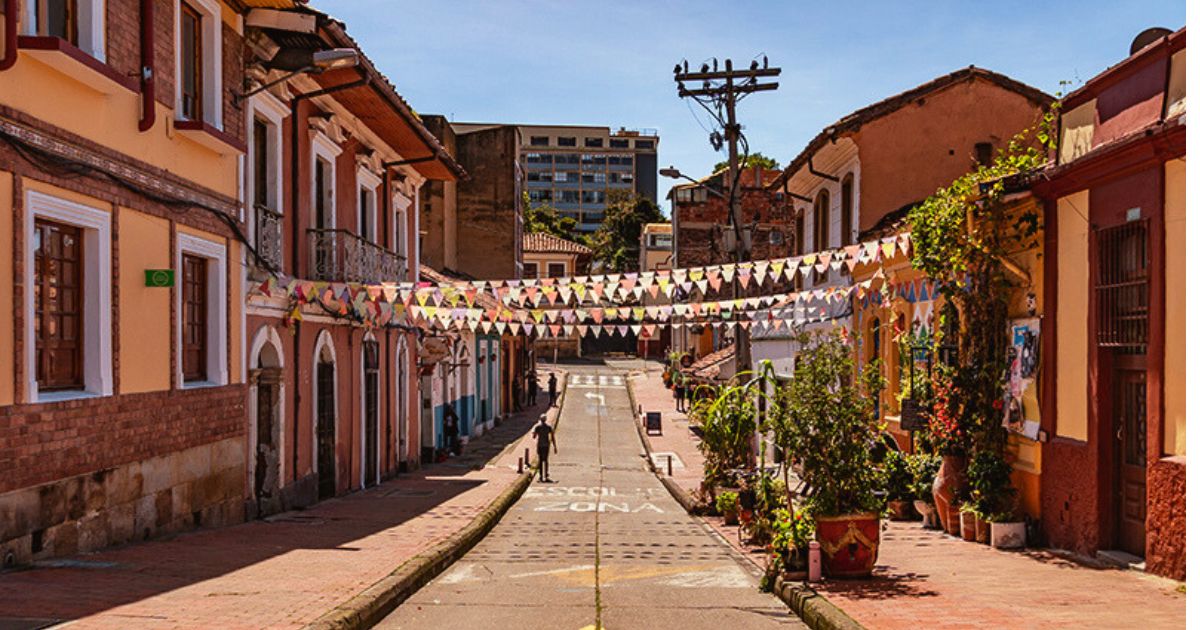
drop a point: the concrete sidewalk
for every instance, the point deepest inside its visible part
(283, 572)
(929, 579)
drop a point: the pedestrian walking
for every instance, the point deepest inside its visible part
(677, 381)
(532, 387)
(553, 389)
(545, 439)
(450, 431)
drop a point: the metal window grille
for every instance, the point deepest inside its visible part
(1123, 287)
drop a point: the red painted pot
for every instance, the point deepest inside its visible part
(849, 544)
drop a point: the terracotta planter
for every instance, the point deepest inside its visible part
(983, 531)
(952, 522)
(849, 544)
(1008, 535)
(967, 525)
(950, 478)
(731, 518)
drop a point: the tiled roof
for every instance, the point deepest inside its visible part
(709, 365)
(543, 243)
(483, 299)
(891, 104)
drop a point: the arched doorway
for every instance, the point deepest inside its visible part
(370, 411)
(325, 415)
(266, 421)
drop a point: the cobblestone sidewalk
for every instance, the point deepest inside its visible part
(927, 579)
(282, 572)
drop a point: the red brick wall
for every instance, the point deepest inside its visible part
(44, 442)
(1166, 517)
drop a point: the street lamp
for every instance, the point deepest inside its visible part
(674, 173)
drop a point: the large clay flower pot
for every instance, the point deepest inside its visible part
(928, 514)
(953, 522)
(983, 530)
(950, 478)
(849, 544)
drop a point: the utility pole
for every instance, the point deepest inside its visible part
(719, 92)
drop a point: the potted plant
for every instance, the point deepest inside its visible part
(990, 476)
(727, 423)
(727, 505)
(966, 519)
(923, 470)
(899, 485)
(826, 416)
(790, 533)
(950, 437)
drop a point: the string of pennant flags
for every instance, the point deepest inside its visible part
(519, 306)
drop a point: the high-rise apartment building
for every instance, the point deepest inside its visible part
(574, 169)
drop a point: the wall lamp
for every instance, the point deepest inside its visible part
(302, 61)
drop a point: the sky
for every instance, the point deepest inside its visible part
(610, 62)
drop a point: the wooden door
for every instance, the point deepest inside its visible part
(326, 433)
(370, 412)
(266, 442)
(1129, 422)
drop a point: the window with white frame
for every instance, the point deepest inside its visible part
(400, 205)
(368, 205)
(264, 174)
(200, 312)
(198, 61)
(80, 22)
(68, 287)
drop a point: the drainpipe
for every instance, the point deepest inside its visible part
(295, 210)
(11, 19)
(146, 122)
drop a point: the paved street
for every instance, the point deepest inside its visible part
(603, 545)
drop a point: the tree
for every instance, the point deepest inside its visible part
(545, 218)
(750, 161)
(616, 242)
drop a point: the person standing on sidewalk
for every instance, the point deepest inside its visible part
(531, 385)
(545, 439)
(553, 389)
(677, 381)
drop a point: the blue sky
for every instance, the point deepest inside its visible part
(610, 62)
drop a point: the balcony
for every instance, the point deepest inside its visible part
(268, 235)
(339, 255)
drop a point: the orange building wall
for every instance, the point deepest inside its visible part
(897, 171)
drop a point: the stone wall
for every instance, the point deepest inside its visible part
(1166, 517)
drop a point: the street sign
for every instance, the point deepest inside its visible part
(160, 277)
(913, 415)
(654, 421)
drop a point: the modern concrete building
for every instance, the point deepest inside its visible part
(575, 168)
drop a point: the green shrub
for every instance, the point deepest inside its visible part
(990, 478)
(727, 502)
(923, 468)
(899, 476)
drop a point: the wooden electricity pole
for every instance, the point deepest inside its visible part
(719, 92)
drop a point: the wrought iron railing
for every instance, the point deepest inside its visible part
(268, 235)
(340, 255)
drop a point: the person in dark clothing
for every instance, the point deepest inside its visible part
(678, 382)
(545, 439)
(450, 430)
(516, 394)
(531, 385)
(553, 389)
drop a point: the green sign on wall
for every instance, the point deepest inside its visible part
(160, 277)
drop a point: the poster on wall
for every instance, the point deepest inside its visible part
(1021, 412)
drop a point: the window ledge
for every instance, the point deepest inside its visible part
(206, 135)
(200, 384)
(73, 62)
(60, 396)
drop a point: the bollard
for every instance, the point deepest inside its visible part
(814, 561)
(520, 465)
(527, 456)
(669, 459)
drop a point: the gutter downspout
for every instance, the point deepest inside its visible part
(146, 122)
(295, 211)
(11, 19)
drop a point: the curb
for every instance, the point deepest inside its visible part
(381, 598)
(374, 603)
(813, 609)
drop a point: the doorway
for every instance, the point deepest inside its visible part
(326, 430)
(1123, 327)
(370, 457)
